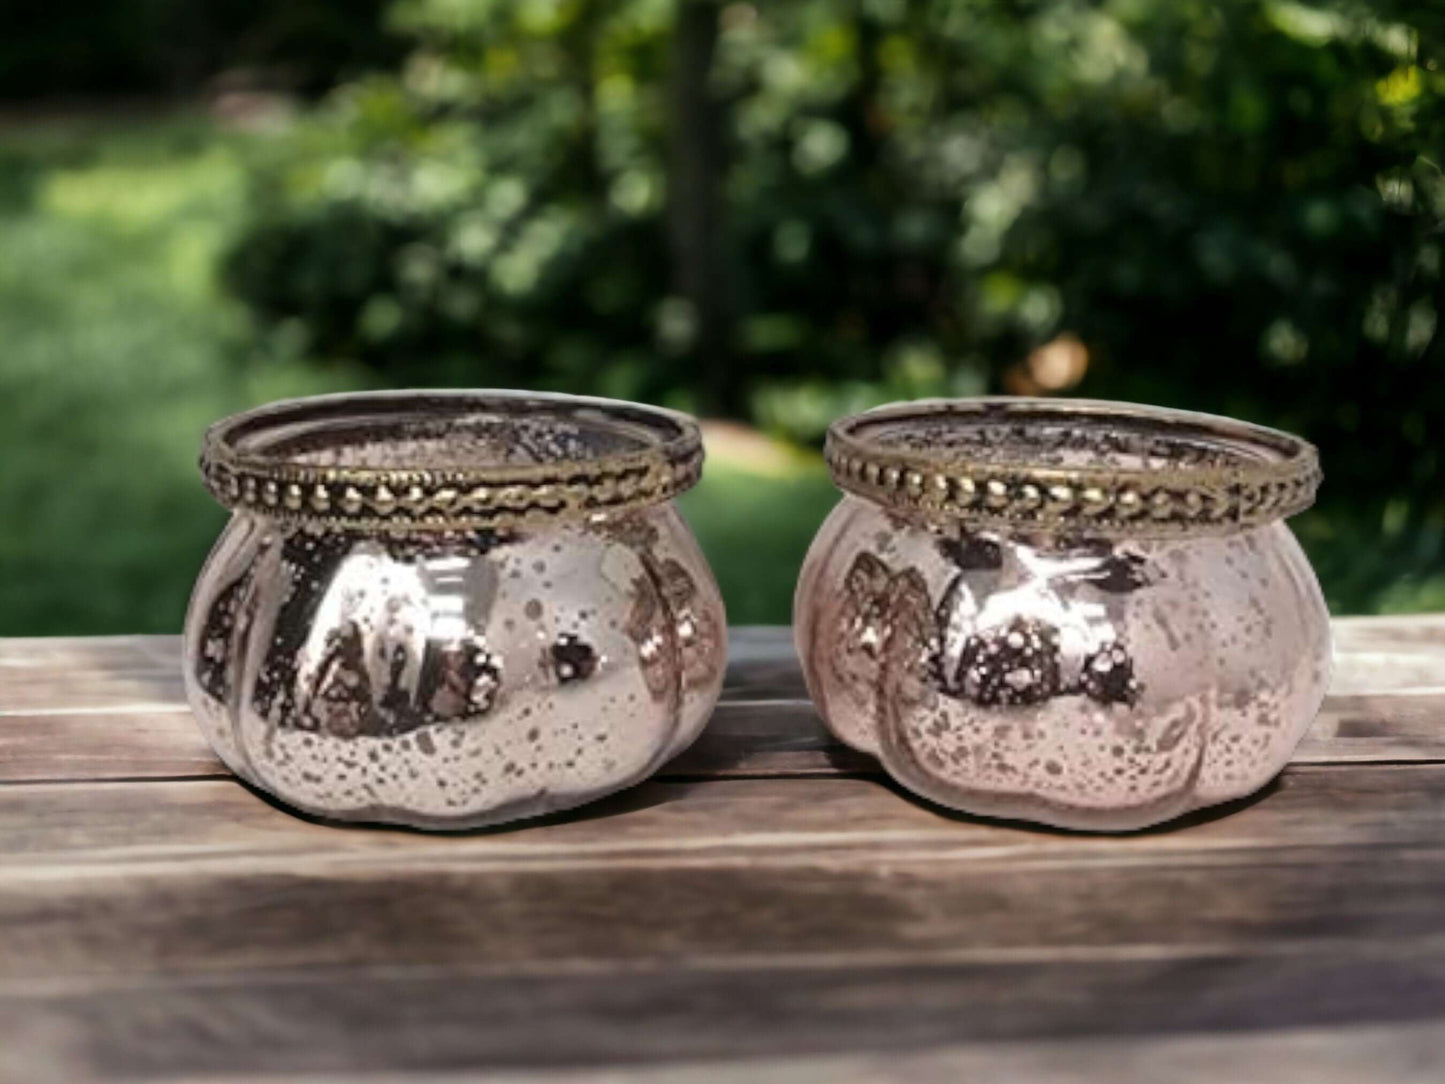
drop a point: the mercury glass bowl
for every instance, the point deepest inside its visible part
(1086, 614)
(452, 609)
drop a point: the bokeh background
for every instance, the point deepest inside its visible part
(767, 214)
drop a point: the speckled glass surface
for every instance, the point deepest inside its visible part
(452, 610)
(1092, 669)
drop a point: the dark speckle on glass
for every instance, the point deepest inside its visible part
(572, 659)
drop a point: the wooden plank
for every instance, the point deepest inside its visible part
(111, 708)
(1382, 1054)
(1363, 646)
(1404, 635)
(1411, 1053)
(1393, 725)
(1389, 632)
(763, 738)
(1401, 1054)
(827, 925)
(843, 869)
(1407, 1054)
(762, 665)
(751, 739)
(372, 1021)
(59, 829)
(62, 654)
(104, 745)
(38, 693)
(744, 739)
(119, 714)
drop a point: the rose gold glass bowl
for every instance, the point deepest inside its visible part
(452, 609)
(1082, 613)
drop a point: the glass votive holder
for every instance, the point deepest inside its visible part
(1085, 614)
(452, 609)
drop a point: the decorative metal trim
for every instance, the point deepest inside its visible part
(412, 496)
(1198, 474)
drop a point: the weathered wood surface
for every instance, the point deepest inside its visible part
(769, 907)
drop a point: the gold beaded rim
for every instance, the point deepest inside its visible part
(664, 459)
(1174, 473)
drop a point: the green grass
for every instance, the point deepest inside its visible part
(117, 347)
(755, 530)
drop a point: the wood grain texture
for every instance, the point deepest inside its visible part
(797, 916)
(1346, 1054)
(853, 906)
(114, 708)
(278, 1026)
(768, 906)
(1340, 1055)
(67, 830)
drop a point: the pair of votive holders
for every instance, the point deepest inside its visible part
(455, 609)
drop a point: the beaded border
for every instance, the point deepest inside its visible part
(468, 498)
(1269, 475)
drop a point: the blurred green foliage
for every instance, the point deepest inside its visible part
(1229, 205)
(773, 212)
(118, 349)
(120, 346)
